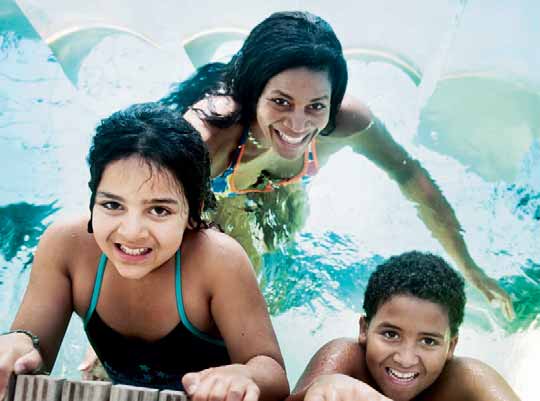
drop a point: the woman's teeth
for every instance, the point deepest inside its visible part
(134, 251)
(290, 139)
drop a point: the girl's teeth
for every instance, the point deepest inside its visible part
(134, 251)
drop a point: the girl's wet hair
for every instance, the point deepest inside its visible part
(164, 140)
(282, 41)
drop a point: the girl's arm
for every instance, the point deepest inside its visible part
(45, 310)
(368, 136)
(241, 315)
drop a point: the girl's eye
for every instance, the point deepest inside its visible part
(159, 211)
(280, 101)
(318, 106)
(111, 205)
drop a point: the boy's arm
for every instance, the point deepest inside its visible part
(335, 373)
(468, 379)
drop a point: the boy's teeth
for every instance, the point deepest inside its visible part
(133, 251)
(400, 375)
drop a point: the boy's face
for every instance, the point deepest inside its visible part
(407, 344)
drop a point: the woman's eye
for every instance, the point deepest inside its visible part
(111, 205)
(318, 106)
(280, 101)
(160, 211)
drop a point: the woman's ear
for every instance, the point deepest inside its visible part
(363, 328)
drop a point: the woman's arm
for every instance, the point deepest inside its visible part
(375, 142)
(240, 313)
(45, 310)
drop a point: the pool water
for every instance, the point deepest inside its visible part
(483, 152)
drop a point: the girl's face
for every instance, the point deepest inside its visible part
(294, 106)
(139, 216)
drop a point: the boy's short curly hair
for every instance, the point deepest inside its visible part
(422, 275)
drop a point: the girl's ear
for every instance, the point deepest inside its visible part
(363, 326)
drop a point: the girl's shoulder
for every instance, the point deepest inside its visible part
(215, 251)
(68, 239)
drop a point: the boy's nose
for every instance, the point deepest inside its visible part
(406, 357)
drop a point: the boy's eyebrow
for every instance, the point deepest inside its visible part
(423, 333)
(148, 201)
(281, 93)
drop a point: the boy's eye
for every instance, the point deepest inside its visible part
(111, 205)
(430, 342)
(390, 334)
(160, 211)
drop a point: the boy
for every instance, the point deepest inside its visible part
(414, 305)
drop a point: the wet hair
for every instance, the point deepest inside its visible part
(282, 41)
(421, 275)
(165, 141)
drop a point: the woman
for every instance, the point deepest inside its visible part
(274, 115)
(166, 301)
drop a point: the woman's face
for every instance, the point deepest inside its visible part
(139, 216)
(293, 108)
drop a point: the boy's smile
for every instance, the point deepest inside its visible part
(407, 344)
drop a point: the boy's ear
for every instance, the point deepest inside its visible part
(452, 347)
(363, 327)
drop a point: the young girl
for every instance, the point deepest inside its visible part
(161, 295)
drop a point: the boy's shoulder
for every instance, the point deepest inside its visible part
(467, 379)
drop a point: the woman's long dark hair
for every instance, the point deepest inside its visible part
(282, 41)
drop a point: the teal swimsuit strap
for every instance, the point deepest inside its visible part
(97, 288)
(180, 305)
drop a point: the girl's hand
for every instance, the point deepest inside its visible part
(18, 356)
(338, 387)
(224, 383)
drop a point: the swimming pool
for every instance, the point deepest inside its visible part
(456, 82)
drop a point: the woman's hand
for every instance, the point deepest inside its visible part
(18, 356)
(492, 290)
(224, 383)
(338, 387)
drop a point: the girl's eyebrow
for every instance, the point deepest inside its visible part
(168, 201)
(109, 195)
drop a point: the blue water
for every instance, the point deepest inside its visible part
(489, 171)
